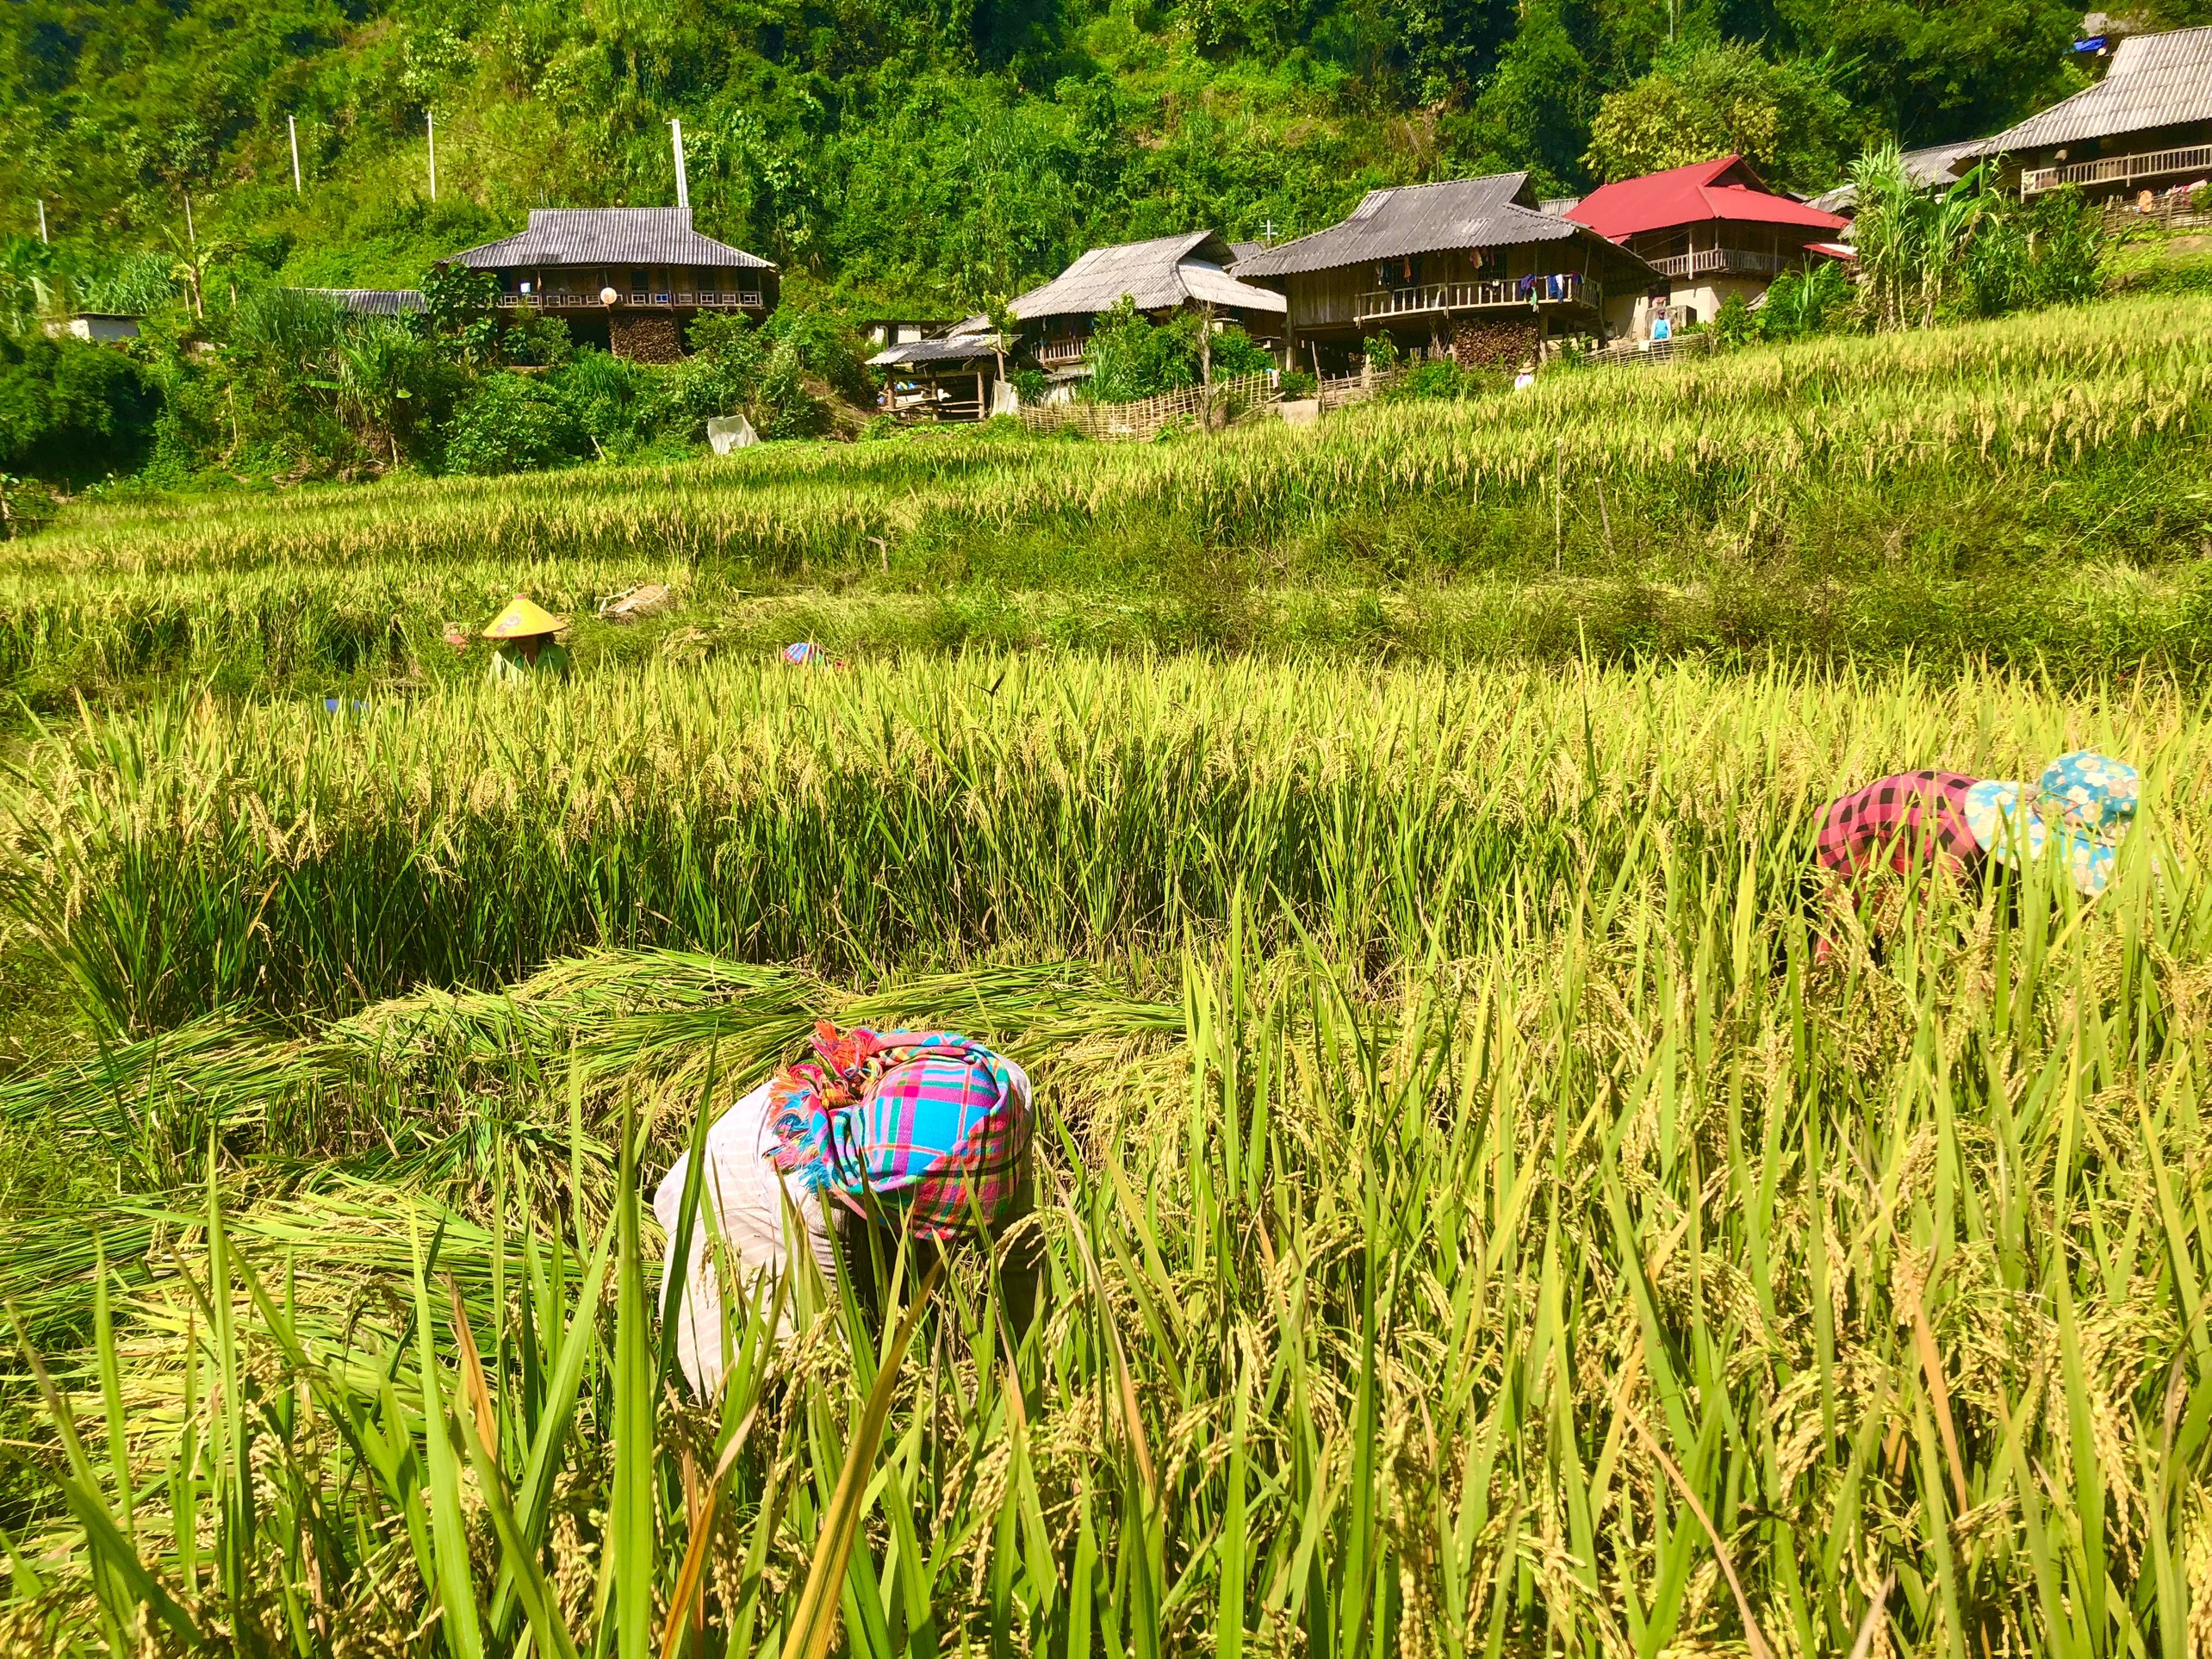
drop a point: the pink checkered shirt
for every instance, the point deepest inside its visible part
(1903, 822)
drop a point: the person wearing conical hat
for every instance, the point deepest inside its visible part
(2082, 808)
(525, 647)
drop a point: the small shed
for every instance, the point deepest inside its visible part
(904, 329)
(947, 379)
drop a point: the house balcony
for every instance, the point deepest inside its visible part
(1442, 299)
(680, 299)
(1063, 353)
(2123, 170)
(1724, 262)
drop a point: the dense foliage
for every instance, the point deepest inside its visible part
(1131, 357)
(890, 156)
(1924, 256)
(929, 155)
(286, 384)
(70, 409)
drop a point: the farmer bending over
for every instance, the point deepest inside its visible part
(1917, 820)
(926, 1129)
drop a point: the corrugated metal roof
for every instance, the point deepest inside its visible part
(2156, 80)
(960, 348)
(374, 301)
(609, 236)
(1240, 252)
(1933, 167)
(1725, 188)
(1211, 285)
(1163, 272)
(1465, 213)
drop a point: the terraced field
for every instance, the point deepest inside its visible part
(1472, 1220)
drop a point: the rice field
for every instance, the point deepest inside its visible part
(1468, 1217)
(2031, 493)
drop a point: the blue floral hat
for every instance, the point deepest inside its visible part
(2087, 799)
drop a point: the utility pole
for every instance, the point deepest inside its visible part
(429, 126)
(292, 127)
(192, 239)
(683, 182)
(42, 235)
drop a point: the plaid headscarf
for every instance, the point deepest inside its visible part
(929, 1123)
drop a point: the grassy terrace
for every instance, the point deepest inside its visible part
(2031, 491)
(1473, 1222)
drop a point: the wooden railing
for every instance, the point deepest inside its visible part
(1060, 352)
(741, 300)
(1380, 304)
(1711, 261)
(2119, 170)
(2170, 210)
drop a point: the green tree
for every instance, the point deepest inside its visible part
(1973, 249)
(1132, 358)
(1932, 73)
(510, 424)
(1723, 98)
(73, 411)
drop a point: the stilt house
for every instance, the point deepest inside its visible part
(628, 279)
(1469, 269)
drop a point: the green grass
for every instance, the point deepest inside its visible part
(1470, 1221)
(2032, 492)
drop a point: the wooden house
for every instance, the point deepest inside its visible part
(2146, 125)
(1164, 276)
(1711, 230)
(1469, 269)
(630, 279)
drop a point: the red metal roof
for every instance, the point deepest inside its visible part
(1726, 189)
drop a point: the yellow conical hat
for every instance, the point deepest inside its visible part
(523, 618)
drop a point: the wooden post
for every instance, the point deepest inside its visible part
(982, 403)
(1558, 500)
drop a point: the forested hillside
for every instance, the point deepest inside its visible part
(932, 152)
